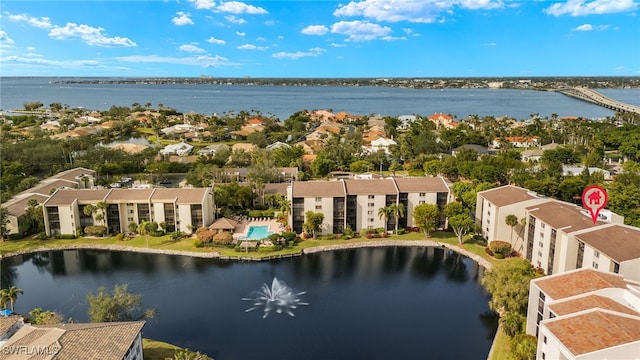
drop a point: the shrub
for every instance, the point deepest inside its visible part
(197, 243)
(380, 230)
(120, 237)
(14, 236)
(479, 240)
(347, 231)
(289, 236)
(401, 231)
(500, 247)
(523, 347)
(43, 236)
(262, 213)
(156, 233)
(177, 235)
(513, 323)
(223, 238)
(488, 251)
(205, 235)
(498, 256)
(384, 234)
(95, 230)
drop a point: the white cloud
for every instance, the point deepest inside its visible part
(360, 30)
(591, 7)
(300, 54)
(237, 7)
(240, 33)
(204, 4)
(5, 40)
(182, 18)
(204, 61)
(213, 40)
(393, 38)
(42, 22)
(89, 35)
(191, 49)
(235, 20)
(66, 64)
(419, 11)
(336, 45)
(315, 30)
(252, 47)
(584, 27)
(589, 27)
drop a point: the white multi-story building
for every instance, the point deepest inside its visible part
(356, 203)
(585, 314)
(562, 237)
(180, 209)
(494, 205)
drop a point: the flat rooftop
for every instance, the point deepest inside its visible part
(573, 283)
(507, 195)
(618, 242)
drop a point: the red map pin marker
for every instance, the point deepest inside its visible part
(594, 199)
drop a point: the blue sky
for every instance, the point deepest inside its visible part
(360, 38)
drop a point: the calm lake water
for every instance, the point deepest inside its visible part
(283, 101)
(382, 303)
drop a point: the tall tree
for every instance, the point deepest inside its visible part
(426, 217)
(384, 213)
(313, 222)
(508, 285)
(10, 296)
(511, 221)
(120, 305)
(397, 211)
(461, 224)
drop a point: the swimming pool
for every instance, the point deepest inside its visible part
(258, 232)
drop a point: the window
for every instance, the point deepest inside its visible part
(129, 204)
(596, 254)
(318, 207)
(542, 225)
(541, 244)
(370, 212)
(544, 339)
(130, 211)
(544, 356)
(540, 253)
(370, 219)
(616, 268)
(371, 197)
(488, 221)
(318, 199)
(541, 234)
(421, 202)
(129, 219)
(489, 205)
(371, 204)
(422, 194)
(595, 265)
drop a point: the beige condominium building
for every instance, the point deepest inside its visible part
(585, 314)
(356, 203)
(184, 209)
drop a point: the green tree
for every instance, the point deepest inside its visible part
(513, 323)
(4, 221)
(508, 285)
(120, 305)
(426, 217)
(397, 211)
(461, 224)
(39, 317)
(511, 221)
(384, 213)
(313, 222)
(454, 208)
(9, 296)
(524, 347)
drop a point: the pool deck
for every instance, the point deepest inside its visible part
(240, 232)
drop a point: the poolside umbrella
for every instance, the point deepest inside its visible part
(6, 312)
(223, 224)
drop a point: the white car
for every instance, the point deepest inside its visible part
(115, 185)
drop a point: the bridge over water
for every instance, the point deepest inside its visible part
(595, 97)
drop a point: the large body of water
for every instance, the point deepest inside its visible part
(283, 101)
(382, 303)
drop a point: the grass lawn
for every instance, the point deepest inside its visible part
(501, 346)
(157, 350)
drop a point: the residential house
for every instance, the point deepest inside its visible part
(77, 341)
(405, 121)
(380, 144)
(518, 141)
(532, 155)
(356, 203)
(276, 145)
(584, 314)
(481, 150)
(180, 149)
(578, 170)
(443, 121)
(211, 149)
(180, 209)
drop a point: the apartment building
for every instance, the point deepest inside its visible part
(356, 203)
(585, 314)
(78, 178)
(562, 237)
(494, 205)
(180, 209)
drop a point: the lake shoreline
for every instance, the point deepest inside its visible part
(216, 255)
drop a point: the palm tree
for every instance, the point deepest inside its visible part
(385, 213)
(397, 211)
(511, 220)
(10, 295)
